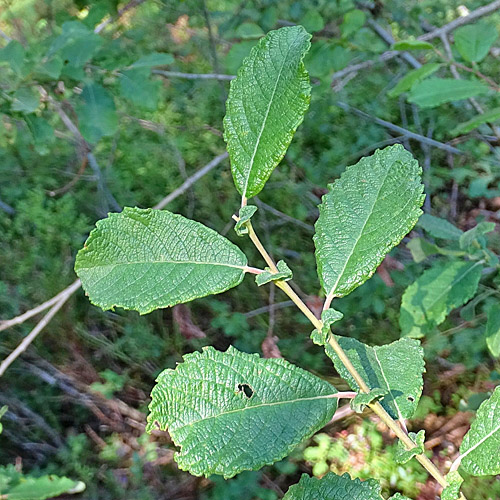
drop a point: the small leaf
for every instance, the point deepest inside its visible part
(284, 274)
(474, 41)
(154, 59)
(353, 21)
(42, 132)
(25, 100)
(493, 330)
(413, 77)
(51, 67)
(440, 289)
(396, 368)
(399, 496)
(96, 113)
(244, 215)
(479, 449)
(363, 399)
(137, 86)
(412, 45)
(40, 488)
(249, 31)
(452, 491)
(147, 259)
(328, 317)
(474, 235)
(435, 91)
(231, 411)
(439, 228)
(313, 21)
(402, 455)
(488, 117)
(13, 54)
(421, 249)
(333, 487)
(266, 104)
(364, 215)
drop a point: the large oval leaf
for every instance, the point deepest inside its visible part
(147, 259)
(266, 104)
(480, 448)
(231, 411)
(366, 213)
(333, 487)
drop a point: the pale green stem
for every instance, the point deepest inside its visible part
(376, 407)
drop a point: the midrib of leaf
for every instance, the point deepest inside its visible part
(257, 143)
(449, 287)
(481, 441)
(262, 405)
(331, 293)
(388, 386)
(243, 268)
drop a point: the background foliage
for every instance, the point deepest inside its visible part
(95, 116)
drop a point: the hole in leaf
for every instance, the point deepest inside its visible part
(245, 389)
(411, 399)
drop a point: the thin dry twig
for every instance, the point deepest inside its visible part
(63, 297)
(400, 130)
(437, 33)
(191, 180)
(123, 10)
(38, 309)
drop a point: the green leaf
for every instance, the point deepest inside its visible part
(25, 100)
(493, 330)
(412, 45)
(40, 488)
(266, 104)
(42, 132)
(96, 113)
(398, 496)
(328, 317)
(249, 30)
(363, 399)
(3, 411)
(284, 274)
(366, 213)
(474, 235)
(353, 21)
(474, 41)
(13, 54)
(333, 487)
(488, 117)
(51, 67)
(231, 411)
(402, 455)
(439, 228)
(412, 77)
(154, 59)
(435, 91)
(396, 368)
(147, 259)
(440, 289)
(421, 249)
(76, 45)
(479, 449)
(452, 491)
(244, 215)
(137, 86)
(313, 21)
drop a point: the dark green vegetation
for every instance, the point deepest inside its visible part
(77, 398)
